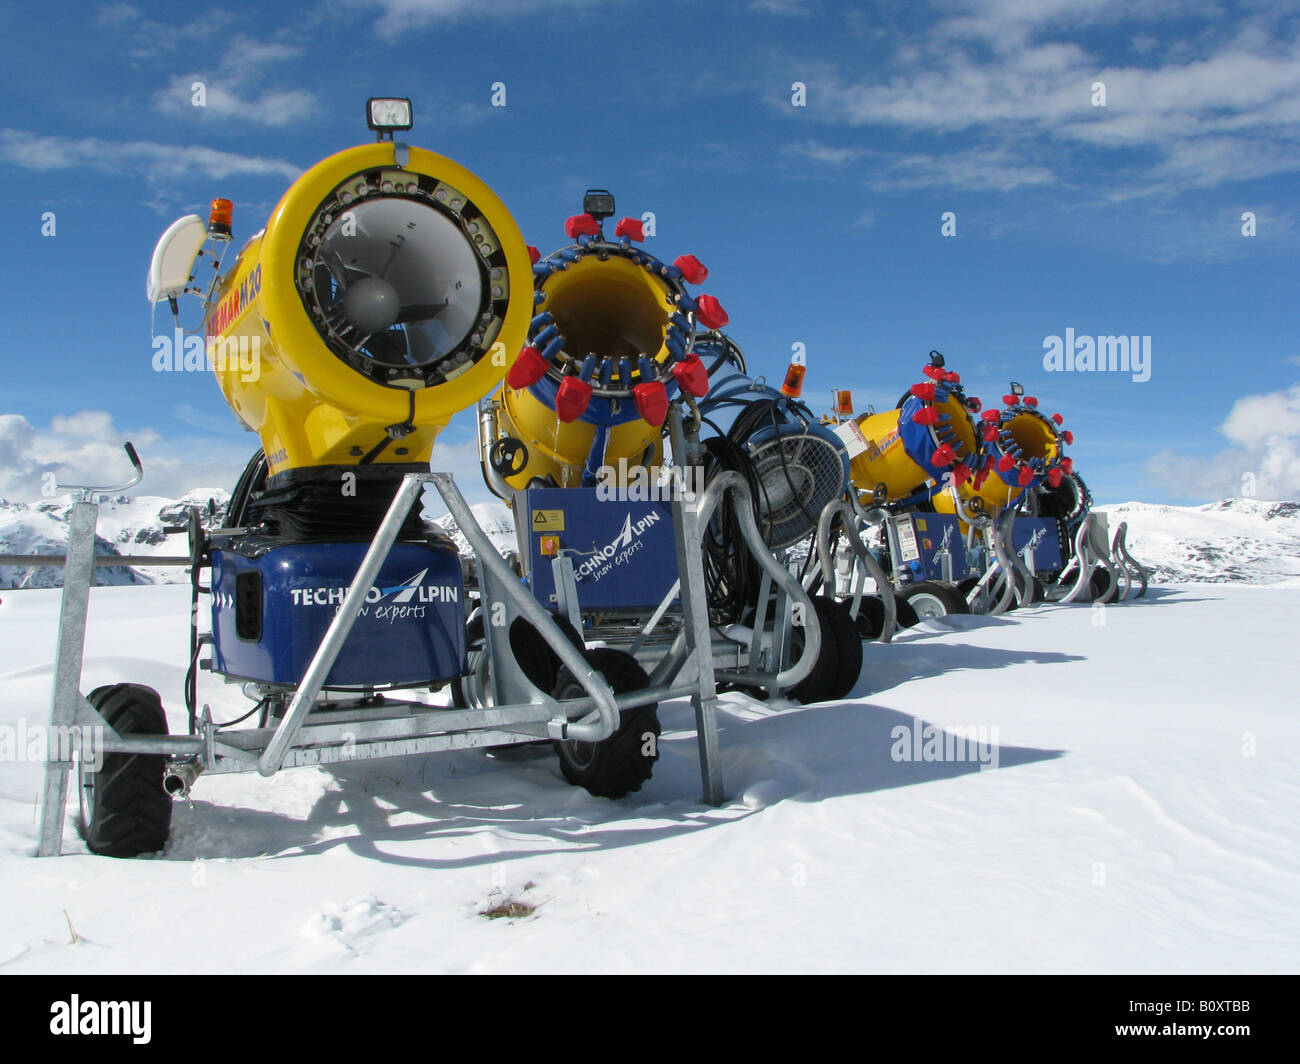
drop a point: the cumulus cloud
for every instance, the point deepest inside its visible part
(1224, 108)
(1264, 459)
(400, 16)
(157, 163)
(86, 448)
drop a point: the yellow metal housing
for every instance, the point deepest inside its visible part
(308, 404)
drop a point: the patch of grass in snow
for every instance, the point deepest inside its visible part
(510, 909)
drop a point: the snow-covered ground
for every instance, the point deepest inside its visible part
(1141, 817)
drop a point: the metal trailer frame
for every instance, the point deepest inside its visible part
(361, 729)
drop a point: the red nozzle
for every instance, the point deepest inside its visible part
(1068, 436)
(651, 400)
(710, 313)
(1067, 465)
(632, 228)
(1029, 400)
(533, 254)
(572, 398)
(693, 270)
(992, 415)
(691, 376)
(952, 377)
(944, 455)
(924, 391)
(973, 404)
(1010, 400)
(528, 369)
(990, 433)
(1005, 463)
(581, 225)
(1054, 477)
(927, 415)
(934, 372)
(1026, 476)
(961, 473)
(1058, 419)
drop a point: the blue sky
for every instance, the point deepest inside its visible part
(821, 223)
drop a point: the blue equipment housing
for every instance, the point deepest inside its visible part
(273, 601)
(623, 552)
(1045, 535)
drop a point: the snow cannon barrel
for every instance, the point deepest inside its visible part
(610, 345)
(930, 435)
(380, 299)
(1024, 449)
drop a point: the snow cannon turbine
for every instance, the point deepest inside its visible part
(609, 346)
(1023, 449)
(374, 305)
(929, 436)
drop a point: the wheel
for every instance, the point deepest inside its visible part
(905, 613)
(871, 617)
(618, 765)
(933, 598)
(1103, 585)
(534, 654)
(124, 810)
(836, 619)
(830, 678)
(998, 582)
(474, 689)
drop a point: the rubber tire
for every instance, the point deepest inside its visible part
(938, 593)
(906, 614)
(124, 810)
(616, 766)
(474, 644)
(1102, 586)
(848, 644)
(534, 654)
(826, 682)
(871, 617)
(995, 592)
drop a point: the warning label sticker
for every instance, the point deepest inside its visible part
(852, 436)
(548, 520)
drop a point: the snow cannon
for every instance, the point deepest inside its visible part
(798, 464)
(609, 346)
(929, 436)
(1024, 449)
(380, 299)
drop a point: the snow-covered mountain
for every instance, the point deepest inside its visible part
(126, 525)
(495, 518)
(1235, 541)
(136, 526)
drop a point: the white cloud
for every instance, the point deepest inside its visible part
(1014, 74)
(157, 163)
(798, 8)
(86, 448)
(273, 107)
(1265, 456)
(975, 170)
(400, 16)
(823, 153)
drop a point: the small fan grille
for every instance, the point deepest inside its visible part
(799, 474)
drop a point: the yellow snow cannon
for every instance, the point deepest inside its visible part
(1023, 449)
(381, 298)
(929, 436)
(610, 344)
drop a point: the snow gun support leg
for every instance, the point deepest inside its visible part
(1130, 565)
(864, 565)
